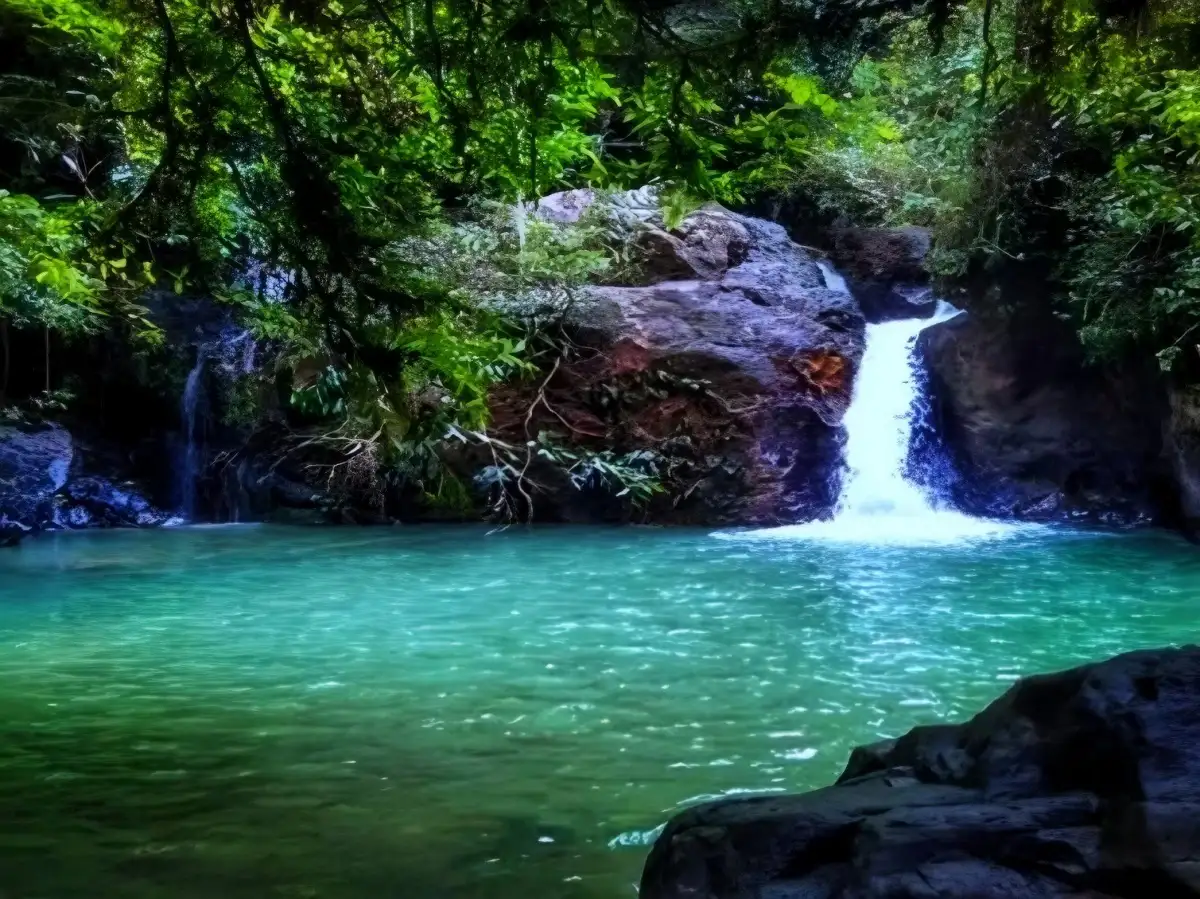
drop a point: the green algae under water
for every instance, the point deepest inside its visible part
(438, 712)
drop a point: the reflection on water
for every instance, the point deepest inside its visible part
(434, 712)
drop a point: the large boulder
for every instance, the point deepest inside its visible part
(48, 483)
(885, 268)
(35, 462)
(731, 370)
(1032, 428)
(1080, 784)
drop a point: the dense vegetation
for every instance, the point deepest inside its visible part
(344, 174)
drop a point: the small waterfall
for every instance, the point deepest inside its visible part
(192, 416)
(878, 503)
(879, 424)
(231, 354)
(520, 222)
(833, 278)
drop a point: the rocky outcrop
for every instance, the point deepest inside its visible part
(35, 462)
(885, 268)
(1080, 784)
(1181, 438)
(12, 532)
(728, 371)
(46, 484)
(1032, 429)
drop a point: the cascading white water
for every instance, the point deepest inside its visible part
(879, 424)
(230, 354)
(190, 412)
(878, 503)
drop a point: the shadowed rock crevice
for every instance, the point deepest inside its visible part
(1032, 429)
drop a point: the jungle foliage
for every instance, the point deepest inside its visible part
(344, 173)
(1055, 133)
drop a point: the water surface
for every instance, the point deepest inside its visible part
(435, 712)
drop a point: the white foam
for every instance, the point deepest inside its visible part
(878, 504)
(941, 529)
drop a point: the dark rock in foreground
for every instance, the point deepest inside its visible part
(1084, 783)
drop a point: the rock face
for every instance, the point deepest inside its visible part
(1181, 436)
(35, 462)
(885, 268)
(1080, 784)
(1033, 430)
(730, 372)
(45, 485)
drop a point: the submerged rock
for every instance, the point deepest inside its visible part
(1084, 783)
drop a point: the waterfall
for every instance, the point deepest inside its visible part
(192, 412)
(878, 502)
(520, 222)
(879, 425)
(230, 354)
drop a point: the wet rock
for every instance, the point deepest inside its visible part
(882, 254)
(89, 501)
(897, 301)
(1084, 783)
(732, 375)
(35, 462)
(885, 268)
(1032, 429)
(12, 532)
(1182, 447)
(46, 483)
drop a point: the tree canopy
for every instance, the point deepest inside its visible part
(281, 155)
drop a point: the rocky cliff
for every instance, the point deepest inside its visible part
(1080, 784)
(724, 365)
(1032, 429)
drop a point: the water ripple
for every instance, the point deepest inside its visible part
(432, 711)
